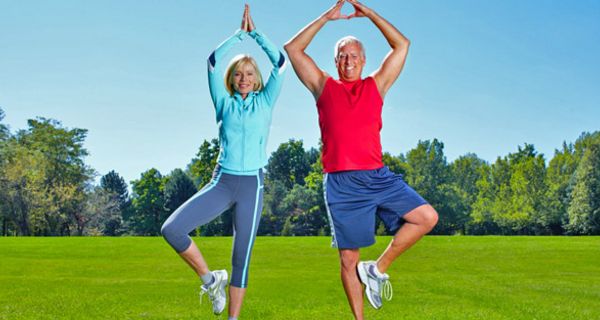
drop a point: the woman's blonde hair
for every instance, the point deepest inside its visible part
(237, 62)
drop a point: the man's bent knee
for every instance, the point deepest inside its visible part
(424, 216)
(429, 217)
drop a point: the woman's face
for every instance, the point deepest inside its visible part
(244, 79)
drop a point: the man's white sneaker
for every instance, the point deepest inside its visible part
(216, 291)
(376, 286)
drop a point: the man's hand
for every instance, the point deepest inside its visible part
(360, 10)
(335, 12)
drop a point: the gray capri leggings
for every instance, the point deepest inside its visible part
(222, 192)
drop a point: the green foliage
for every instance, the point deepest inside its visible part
(559, 180)
(429, 174)
(4, 132)
(584, 212)
(45, 189)
(482, 221)
(314, 179)
(299, 211)
(114, 187)
(200, 169)
(290, 164)
(44, 178)
(511, 195)
(178, 189)
(465, 172)
(102, 213)
(397, 165)
(286, 165)
(272, 218)
(113, 183)
(148, 202)
(305, 217)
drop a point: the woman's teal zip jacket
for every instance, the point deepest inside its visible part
(244, 124)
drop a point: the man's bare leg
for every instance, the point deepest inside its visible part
(349, 259)
(419, 222)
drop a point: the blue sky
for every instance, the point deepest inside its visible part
(481, 76)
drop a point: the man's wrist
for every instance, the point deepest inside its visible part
(323, 18)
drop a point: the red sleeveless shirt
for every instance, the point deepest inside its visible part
(350, 121)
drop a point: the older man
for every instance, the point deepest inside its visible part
(357, 184)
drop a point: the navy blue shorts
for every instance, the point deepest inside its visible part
(353, 198)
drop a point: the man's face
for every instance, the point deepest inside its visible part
(350, 62)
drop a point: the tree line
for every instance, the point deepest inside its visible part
(46, 189)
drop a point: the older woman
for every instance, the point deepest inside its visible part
(243, 108)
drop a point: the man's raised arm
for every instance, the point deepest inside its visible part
(304, 66)
(393, 63)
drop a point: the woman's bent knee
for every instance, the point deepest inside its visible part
(177, 238)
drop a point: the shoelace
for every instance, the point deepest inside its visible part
(386, 291)
(211, 295)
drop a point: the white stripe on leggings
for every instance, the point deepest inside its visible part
(250, 243)
(213, 182)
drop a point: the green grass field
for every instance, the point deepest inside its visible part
(298, 278)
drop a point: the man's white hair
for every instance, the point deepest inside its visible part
(347, 40)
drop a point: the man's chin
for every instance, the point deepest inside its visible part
(349, 79)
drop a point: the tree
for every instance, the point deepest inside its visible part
(481, 217)
(304, 217)
(511, 194)
(178, 189)
(113, 183)
(584, 211)
(314, 178)
(4, 132)
(115, 188)
(202, 167)
(288, 167)
(527, 190)
(4, 206)
(148, 203)
(46, 178)
(272, 218)
(465, 172)
(397, 165)
(22, 186)
(429, 174)
(102, 213)
(289, 164)
(559, 181)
